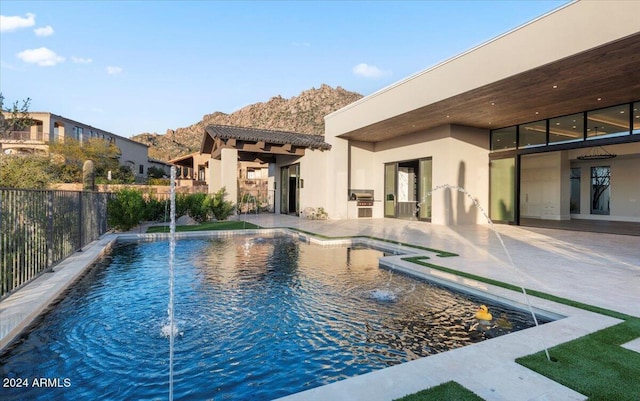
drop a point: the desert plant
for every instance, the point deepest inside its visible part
(126, 209)
(218, 206)
(155, 209)
(193, 205)
(25, 172)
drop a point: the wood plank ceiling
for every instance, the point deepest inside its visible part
(601, 77)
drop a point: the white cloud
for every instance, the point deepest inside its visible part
(44, 31)
(81, 60)
(369, 71)
(13, 23)
(113, 70)
(42, 56)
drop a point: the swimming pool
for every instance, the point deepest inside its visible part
(258, 318)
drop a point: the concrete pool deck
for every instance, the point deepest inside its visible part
(597, 269)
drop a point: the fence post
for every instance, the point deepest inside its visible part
(49, 229)
(80, 222)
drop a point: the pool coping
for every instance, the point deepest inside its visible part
(469, 366)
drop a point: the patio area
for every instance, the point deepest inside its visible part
(593, 268)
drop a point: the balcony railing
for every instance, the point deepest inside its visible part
(23, 136)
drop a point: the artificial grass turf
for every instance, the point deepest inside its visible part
(449, 391)
(595, 365)
(215, 225)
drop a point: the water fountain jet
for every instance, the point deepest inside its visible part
(172, 251)
(506, 251)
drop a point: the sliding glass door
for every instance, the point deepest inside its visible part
(502, 190)
(290, 190)
(406, 186)
(390, 172)
(425, 185)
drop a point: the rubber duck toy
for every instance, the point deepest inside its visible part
(483, 314)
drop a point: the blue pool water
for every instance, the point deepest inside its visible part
(257, 318)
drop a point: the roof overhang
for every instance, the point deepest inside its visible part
(258, 145)
(529, 74)
(184, 161)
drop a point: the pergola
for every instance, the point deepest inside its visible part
(259, 145)
(227, 145)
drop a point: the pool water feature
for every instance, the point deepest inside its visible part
(258, 318)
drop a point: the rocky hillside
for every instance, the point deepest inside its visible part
(303, 113)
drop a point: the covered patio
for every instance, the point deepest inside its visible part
(226, 146)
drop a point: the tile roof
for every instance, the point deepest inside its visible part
(266, 135)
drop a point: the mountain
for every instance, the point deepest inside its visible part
(303, 113)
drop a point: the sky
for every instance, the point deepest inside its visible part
(130, 67)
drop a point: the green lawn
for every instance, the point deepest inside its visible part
(215, 225)
(595, 365)
(449, 391)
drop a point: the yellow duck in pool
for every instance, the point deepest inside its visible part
(483, 314)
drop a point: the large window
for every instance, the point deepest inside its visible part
(600, 190)
(502, 192)
(609, 122)
(533, 134)
(636, 118)
(504, 138)
(566, 129)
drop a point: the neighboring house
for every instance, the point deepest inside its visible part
(48, 128)
(540, 123)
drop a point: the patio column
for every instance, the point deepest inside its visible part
(229, 173)
(214, 179)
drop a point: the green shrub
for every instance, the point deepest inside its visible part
(25, 171)
(155, 209)
(126, 209)
(156, 172)
(159, 181)
(220, 208)
(124, 175)
(193, 205)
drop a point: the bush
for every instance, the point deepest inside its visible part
(25, 171)
(159, 181)
(124, 175)
(156, 210)
(220, 208)
(126, 209)
(156, 172)
(193, 205)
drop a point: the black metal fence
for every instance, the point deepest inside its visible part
(39, 228)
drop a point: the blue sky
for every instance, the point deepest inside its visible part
(147, 66)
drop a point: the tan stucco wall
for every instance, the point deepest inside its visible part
(133, 154)
(460, 158)
(317, 186)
